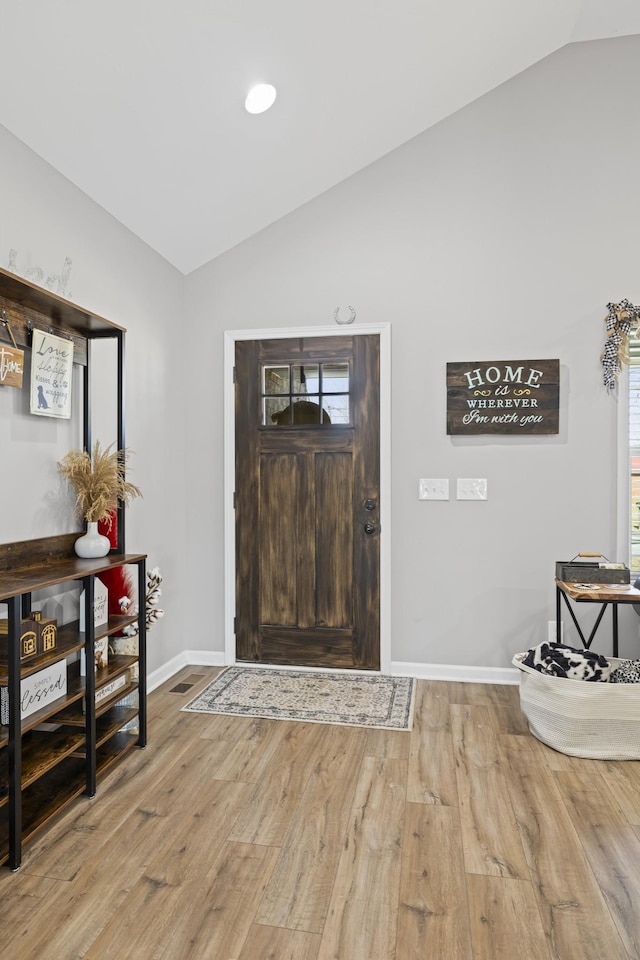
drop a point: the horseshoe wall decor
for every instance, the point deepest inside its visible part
(336, 316)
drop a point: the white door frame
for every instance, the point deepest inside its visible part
(280, 333)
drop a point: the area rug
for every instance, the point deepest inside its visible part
(355, 700)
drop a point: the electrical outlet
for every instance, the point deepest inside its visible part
(472, 488)
(433, 490)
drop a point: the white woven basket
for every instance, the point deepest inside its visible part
(582, 718)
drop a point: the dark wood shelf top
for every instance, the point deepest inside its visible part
(118, 663)
(116, 624)
(71, 716)
(68, 641)
(59, 570)
(42, 750)
(47, 797)
(53, 307)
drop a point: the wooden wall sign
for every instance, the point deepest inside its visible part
(11, 359)
(11, 366)
(503, 396)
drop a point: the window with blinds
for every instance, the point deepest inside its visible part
(634, 452)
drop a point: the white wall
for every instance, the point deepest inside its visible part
(45, 219)
(501, 233)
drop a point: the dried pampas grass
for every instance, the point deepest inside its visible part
(99, 481)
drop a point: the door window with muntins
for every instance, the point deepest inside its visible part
(295, 394)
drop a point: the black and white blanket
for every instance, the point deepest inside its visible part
(559, 660)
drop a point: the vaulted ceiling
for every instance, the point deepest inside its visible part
(139, 103)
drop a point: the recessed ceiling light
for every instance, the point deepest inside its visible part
(260, 98)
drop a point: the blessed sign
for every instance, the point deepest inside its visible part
(36, 691)
(503, 396)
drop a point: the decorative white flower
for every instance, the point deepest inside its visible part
(152, 612)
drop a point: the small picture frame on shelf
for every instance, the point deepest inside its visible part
(101, 656)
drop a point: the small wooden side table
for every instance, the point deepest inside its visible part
(606, 594)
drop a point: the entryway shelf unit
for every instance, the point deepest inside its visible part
(57, 753)
(50, 757)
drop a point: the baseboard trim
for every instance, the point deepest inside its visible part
(399, 668)
(188, 658)
(447, 671)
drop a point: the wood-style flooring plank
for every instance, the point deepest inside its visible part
(387, 743)
(172, 882)
(223, 727)
(562, 762)
(362, 919)
(160, 821)
(62, 850)
(483, 694)
(276, 797)
(491, 840)
(163, 708)
(22, 896)
(611, 846)
(505, 920)
(245, 760)
(298, 894)
(502, 700)
(216, 919)
(623, 780)
(276, 943)
(431, 709)
(433, 913)
(432, 769)
(577, 923)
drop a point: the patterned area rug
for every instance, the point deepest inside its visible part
(356, 700)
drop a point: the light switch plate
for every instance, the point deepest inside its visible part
(433, 490)
(472, 488)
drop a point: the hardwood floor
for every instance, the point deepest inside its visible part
(237, 839)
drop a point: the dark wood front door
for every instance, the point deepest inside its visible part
(307, 501)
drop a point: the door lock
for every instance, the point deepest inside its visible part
(369, 528)
(369, 504)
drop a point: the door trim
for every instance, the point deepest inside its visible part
(383, 330)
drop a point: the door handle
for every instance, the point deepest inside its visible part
(369, 528)
(369, 504)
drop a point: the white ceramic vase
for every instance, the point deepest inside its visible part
(92, 544)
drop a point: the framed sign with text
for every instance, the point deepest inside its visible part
(503, 396)
(11, 366)
(51, 375)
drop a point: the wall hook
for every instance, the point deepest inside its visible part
(4, 319)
